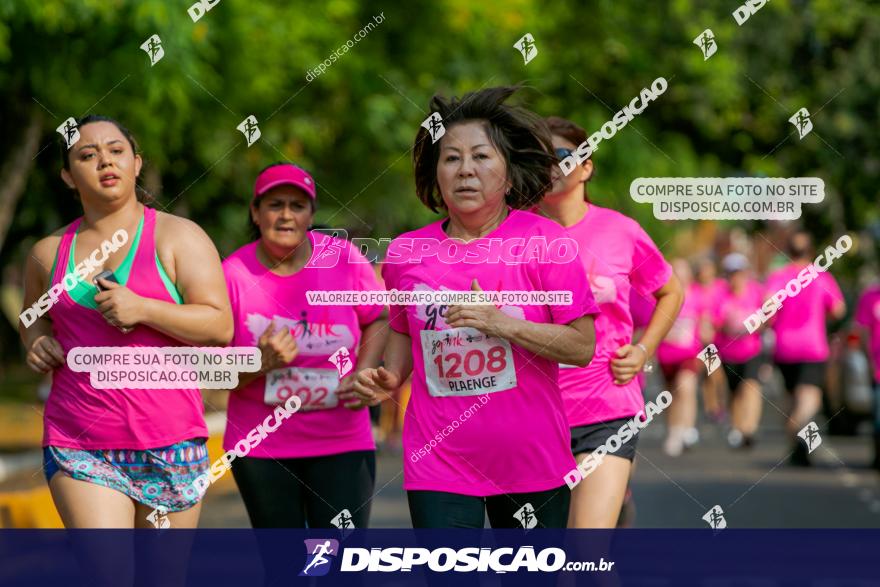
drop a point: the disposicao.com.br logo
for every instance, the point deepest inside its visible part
(320, 553)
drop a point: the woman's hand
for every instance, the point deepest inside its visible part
(120, 306)
(373, 386)
(628, 361)
(346, 393)
(277, 349)
(487, 319)
(45, 354)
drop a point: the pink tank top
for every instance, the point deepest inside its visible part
(80, 416)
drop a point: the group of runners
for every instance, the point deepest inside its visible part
(556, 381)
(795, 341)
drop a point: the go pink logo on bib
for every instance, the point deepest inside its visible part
(433, 315)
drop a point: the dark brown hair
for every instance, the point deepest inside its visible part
(519, 135)
(566, 129)
(143, 196)
(570, 131)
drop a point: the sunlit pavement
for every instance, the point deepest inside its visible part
(755, 489)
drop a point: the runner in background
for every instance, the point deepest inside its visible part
(740, 352)
(801, 349)
(677, 355)
(867, 318)
(620, 259)
(111, 456)
(708, 286)
(485, 429)
(319, 467)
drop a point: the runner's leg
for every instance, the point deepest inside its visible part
(339, 482)
(807, 403)
(272, 491)
(439, 509)
(88, 505)
(550, 508)
(597, 499)
(751, 399)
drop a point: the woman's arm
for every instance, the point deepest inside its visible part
(44, 353)
(631, 358)
(204, 318)
(669, 299)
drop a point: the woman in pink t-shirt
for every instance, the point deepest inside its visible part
(802, 351)
(600, 398)
(485, 431)
(739, 351)
(113, 457)
(318, 468)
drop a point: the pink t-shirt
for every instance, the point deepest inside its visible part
(868, 315)
(735, 344)
(485, 416)
(322, 426)
(682, 342)
(620, 259)
(707, 294)
(642, 308)
(799, 324)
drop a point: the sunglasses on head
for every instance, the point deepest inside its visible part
(562, 153)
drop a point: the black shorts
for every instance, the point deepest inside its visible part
(738, 372)
(440, 509)
(796, 374)
(586, 439)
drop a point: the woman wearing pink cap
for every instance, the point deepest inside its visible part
(114, 455)
(317, 468)
(620, 258)
(484, 432)
(739, 350)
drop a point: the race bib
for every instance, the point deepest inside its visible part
(682, 332)
(315, 387)
(464, 361)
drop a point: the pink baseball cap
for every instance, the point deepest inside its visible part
(284, 174)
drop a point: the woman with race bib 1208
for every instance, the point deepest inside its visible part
(485, 430)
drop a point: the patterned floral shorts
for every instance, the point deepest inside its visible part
(154, 477)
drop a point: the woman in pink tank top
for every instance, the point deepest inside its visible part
(115, 457)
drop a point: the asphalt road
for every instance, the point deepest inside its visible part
(755, 489)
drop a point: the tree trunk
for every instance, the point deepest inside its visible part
(14, 173)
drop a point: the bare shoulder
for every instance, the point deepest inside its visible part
(44, 250)
(176, 230)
